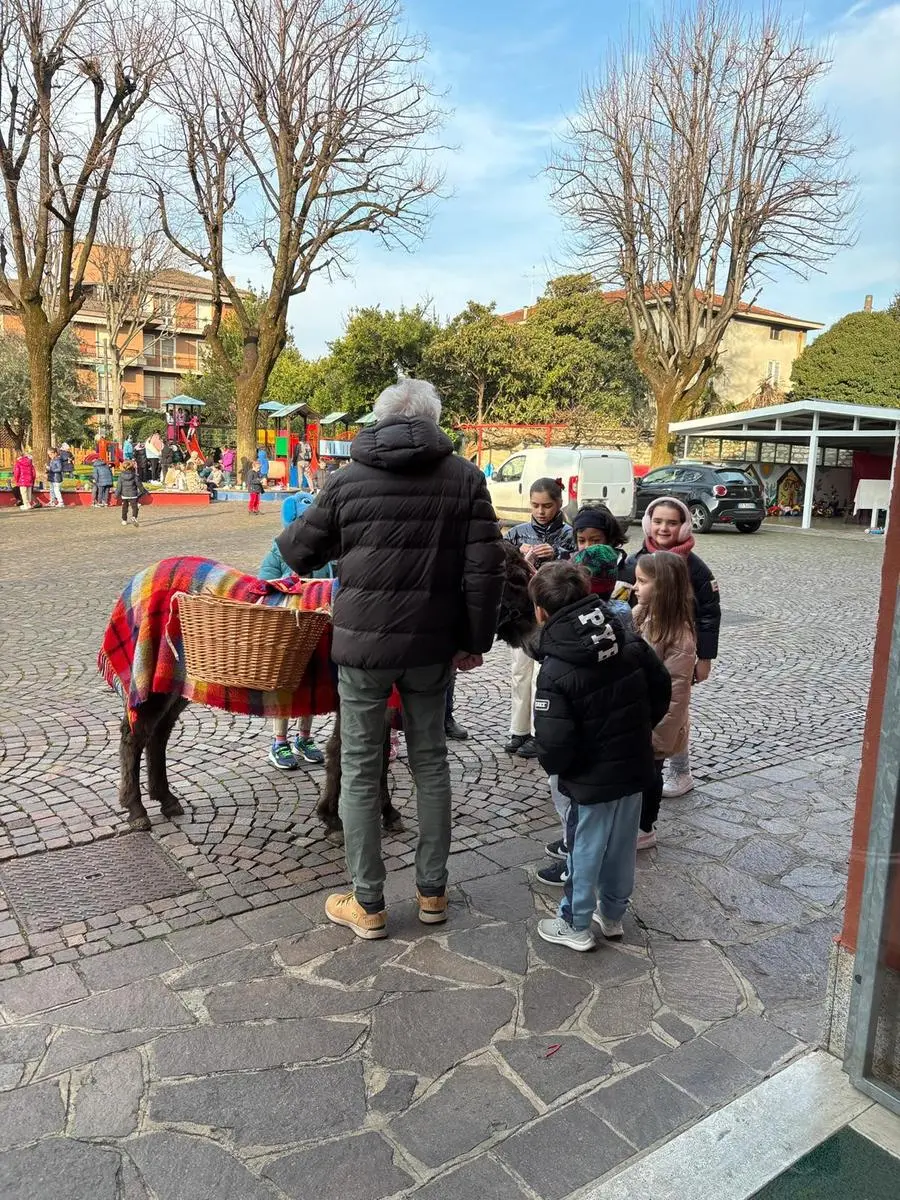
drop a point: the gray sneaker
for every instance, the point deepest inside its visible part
(560, 933)
(611, 930)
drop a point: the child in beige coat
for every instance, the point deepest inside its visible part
(664, 617)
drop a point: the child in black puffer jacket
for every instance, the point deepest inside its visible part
(600, 692)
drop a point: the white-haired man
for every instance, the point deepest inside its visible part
(420, 565)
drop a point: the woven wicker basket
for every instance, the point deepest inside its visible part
(235, 644)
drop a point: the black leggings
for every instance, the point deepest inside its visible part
(652, 799)
(134, 508)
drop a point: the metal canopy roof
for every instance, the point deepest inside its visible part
(848, 426)
(333, 417)
(271, 406)
(368, 419)
(184, 402)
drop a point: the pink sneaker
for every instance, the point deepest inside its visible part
(646, 841)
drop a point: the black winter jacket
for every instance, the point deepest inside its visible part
(129, 486)
(707, 609)
(600, 692)
(555, 533)
(417, 546)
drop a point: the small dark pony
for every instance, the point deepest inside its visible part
(148, 737)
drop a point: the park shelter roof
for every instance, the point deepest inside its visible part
(368, 418)
(847, 426)
(333, 417)
(271, 406)
(290, 410)
(184, 402)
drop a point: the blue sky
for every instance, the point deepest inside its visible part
(512, 70)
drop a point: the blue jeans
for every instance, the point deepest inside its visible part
(602, 841)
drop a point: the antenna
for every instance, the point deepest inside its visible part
(532, 276)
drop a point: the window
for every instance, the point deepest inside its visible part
(167, 387)
(689, 476)
(166, 352)
(734, 477)
(774, 372)
(663, 475)
(774, 333)
(512, 470)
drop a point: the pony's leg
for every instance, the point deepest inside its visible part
(155, 755)
(132, 742)
(329, 801)
(390, 816)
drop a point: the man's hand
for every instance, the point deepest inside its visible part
(463, 661)
(542, 551)
(702, 670)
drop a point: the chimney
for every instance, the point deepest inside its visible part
(867, 306)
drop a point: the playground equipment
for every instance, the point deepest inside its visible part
(183, 421)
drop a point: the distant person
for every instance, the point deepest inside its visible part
(24, 476)
(129, 490)
(102, 478)
(263, 460)
(128, 450)
(67, 458)
(166, 458)
(54, 477)
(600, 692)
(255, 487)
(140, 461)
(228, 457)
(153, 447)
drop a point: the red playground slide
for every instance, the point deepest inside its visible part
(191, 442)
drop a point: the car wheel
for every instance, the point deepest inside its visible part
(747, 526)
(701, 521)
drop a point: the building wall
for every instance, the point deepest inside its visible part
(749, 354)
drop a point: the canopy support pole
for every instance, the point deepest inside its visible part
(811, 465)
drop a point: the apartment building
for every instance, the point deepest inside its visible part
(169, 344)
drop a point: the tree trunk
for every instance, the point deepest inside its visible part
(116, 397)
(249, 391)
(663, 442)
(37, 340)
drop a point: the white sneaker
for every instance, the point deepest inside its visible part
(611, 930)
(646, 841)
(678, 785)
(560, 933)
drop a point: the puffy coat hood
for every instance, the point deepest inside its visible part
(684, 532)
(401, 444)
(582, 634)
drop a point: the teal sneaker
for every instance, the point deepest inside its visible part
(282, 757)
(307, 750)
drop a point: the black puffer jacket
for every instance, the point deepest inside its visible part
(417, 547)
(707, 607)
(600, 692)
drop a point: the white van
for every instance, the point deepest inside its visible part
(589, 475)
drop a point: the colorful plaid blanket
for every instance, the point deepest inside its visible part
(143, 651)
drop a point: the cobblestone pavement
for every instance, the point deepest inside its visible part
(174, 1011)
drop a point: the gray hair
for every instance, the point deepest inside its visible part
(409, 398)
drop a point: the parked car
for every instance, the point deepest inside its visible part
(589, 475)
(715, 494)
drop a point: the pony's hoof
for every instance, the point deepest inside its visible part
(136, 825)
(172, 807)
(393, 822)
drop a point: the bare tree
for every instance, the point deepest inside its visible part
(697, 163)
(300, 124)
(74, 74)
(138, 308)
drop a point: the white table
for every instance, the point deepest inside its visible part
(874, 495)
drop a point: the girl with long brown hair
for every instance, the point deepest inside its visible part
(664, 617)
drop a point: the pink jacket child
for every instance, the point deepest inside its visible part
(24, 473)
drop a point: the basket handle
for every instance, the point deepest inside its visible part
(172, 608)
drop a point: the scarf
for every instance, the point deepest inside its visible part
(682, 548)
